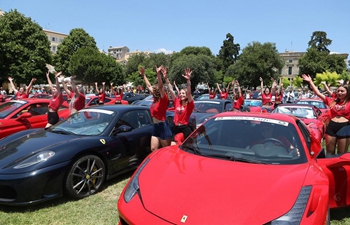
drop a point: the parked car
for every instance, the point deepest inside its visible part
(254, 105)
(75, 156)
(217, 175)
(326, 116)
(204, 109)
(131, 97)
(18, 115)
(309, 114)
(206, 96)
(93, 100)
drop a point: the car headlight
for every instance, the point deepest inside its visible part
(133, 186)
(296, 213)
(37, 158)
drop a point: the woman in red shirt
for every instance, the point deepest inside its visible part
(279, 95)
(118, 93)
(22, 93)
(101, 93)
(76, 95)
(266, 95)
(340, 116)
(162, 133)
(238, 99)
(183, 104)
(224, 91)
(55, 102)
(212, 92)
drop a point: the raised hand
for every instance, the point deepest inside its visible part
(142, 71)
(158, 69)
(306, 78)
(187, 74)
(164, 71)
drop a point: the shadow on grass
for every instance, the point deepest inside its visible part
(60, 200)
(340, 213)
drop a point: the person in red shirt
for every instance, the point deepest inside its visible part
(76, 95)
(162, 133)
(340, 116)
(118, 93)
(212, 92)
(266, 95)
(101, 93)
(55, 102)
(223, 91)
(238, 99)
(22, 93)
(183, 104)
(279, 95)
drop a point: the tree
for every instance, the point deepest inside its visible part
(203, 68)
(257, 60)
(76, 39)
(90, 65)
(137, 80)
(229, 52)
(320, 41)
(134, 62)
(24, 48)
(318, 59)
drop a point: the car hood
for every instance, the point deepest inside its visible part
(38, 140)
(176, 184)
(200, 117)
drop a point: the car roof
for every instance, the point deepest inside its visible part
(120, 107)
(257, 115)
(213, 100)
(33, 100)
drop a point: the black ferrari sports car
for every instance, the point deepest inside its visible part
(75, 156)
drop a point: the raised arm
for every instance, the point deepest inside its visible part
(308, 79)
(274, 86)
(96, 88)
(160, 81)
(111, 87)
(12, 85)
(58, 83)
(74, 87)
(187, 75)
(64, 85)
(261, 85)
(103, 87)
(327, 88)
(177, 89)
(171, 90)
(148, 84)
(218, 88)
(30, 86)
(239, 89)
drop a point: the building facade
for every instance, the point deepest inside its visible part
(55, 39)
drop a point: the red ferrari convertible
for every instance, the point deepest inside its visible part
(239, 168)
(18, 115)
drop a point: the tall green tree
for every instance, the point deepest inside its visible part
(134, 62)
(76, 39)
(24, 48)
(318, 59)
(320, 41)
(228, 53)
(90, 65)
(257, 60)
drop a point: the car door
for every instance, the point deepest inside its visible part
(133, 144)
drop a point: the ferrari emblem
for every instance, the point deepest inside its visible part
(103, 141)
(183, 219)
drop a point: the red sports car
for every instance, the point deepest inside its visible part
(309, 114)
(18, 115)
(239, 168)
(319, 104)
(93, 100)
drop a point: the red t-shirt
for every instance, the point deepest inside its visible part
(158, 109)
(118, 97)
(266, 98)
(20, 96)
(101, 97)
(56, 102)
(223, 95)
(339, 109)
(182, 112)
(237, 104)
(212, 95)
(79, 102)
(278, 98)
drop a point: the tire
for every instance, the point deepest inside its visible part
(85, 177)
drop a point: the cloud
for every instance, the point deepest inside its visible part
(164, 51)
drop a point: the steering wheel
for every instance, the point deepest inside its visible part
(272, 140)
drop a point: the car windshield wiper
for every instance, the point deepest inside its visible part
(59, 131)
(192, 148)
(236, 157)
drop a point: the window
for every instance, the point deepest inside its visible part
(290, 70)
(135, 119)
(53, 48)
(53, 39)
(61, 40)
(290, 60)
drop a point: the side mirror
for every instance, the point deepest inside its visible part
(24, 116)
(179, 138)
(122, 129)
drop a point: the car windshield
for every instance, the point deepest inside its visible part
(207, 106)
(300, 112)
(318, 104)
(252, 103)
(8, 107)
(247, 139)
(85, 122)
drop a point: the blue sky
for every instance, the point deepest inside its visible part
(172, 25)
